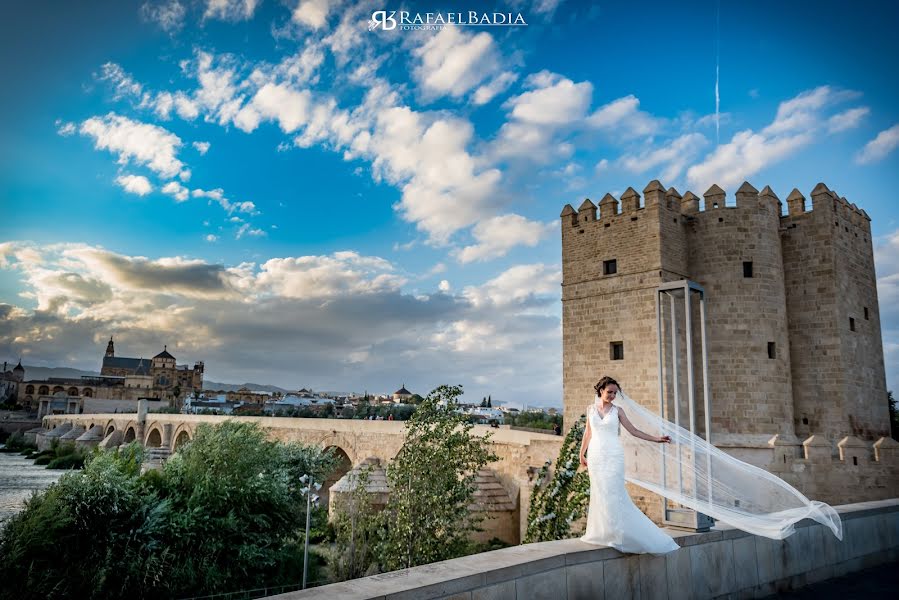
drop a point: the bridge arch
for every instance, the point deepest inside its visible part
(130, 433)
(344, 464)
(154, 438)
(182, 435)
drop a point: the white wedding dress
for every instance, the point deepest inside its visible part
(612, 518)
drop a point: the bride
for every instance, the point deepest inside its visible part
(703, 478)
(612, 519)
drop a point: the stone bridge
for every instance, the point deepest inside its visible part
(521, 453)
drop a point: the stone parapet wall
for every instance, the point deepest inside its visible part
(723, 563)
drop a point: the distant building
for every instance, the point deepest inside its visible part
(402, 395)
(9, 381)
(121, 383)
(163, 371)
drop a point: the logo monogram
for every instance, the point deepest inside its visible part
(381, 19)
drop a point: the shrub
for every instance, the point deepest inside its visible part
(74, 460)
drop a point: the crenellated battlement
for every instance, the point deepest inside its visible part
(715, 198)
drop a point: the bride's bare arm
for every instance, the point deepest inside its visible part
(636, 432)
(584, 443)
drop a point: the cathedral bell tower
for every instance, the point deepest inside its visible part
(110, 348)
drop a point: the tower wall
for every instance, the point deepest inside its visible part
(810, 275)
(751, 394)
(865, 408)
(600, 309)
(812, 271)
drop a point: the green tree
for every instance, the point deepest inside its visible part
(489, 402)
(484, 402)
(432, 483)
(225, 513)
(356, 533)
(559, 500)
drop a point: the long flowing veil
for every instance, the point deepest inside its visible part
(696, 474)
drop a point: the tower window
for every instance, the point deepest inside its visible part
(616, 350)
(609, 267)
(772, 350)
(747, 268)
(851, 324)
(866, 313)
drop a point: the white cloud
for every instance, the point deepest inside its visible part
(186, 108)
(444, 286)
(218, 195)
(230, 10)
(553, 100)
(847, 119)
(803, 111)
(168, 15)
(247, 229)
(675, 156)
(497, 235)
(495, 86)
(201, 147)
(878, 148)
(65, 129)
(624, 116)
(330, 276)
(520, 284)
(135, 184)
(453, 62)
(279, 102)
(176, 191)
(313, 13)
(211, 238)
(545, 7)
(798, 122)
(123, 85)
(602, 165)
(133, 141)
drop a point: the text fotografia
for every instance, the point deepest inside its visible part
(388, 20)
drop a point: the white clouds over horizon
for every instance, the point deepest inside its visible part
(315, 312)
(494, 237)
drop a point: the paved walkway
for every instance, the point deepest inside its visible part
(879, 582)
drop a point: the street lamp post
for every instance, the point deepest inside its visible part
(311, 499)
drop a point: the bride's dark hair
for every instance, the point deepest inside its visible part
(605, 382)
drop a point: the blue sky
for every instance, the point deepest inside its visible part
(274, 189)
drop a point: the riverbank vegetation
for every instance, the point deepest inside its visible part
(60, 455)
(225, 513)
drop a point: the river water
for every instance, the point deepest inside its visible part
(19, 477)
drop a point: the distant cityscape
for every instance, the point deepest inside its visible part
(180, 388)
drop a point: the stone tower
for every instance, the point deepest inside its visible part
(796, 369)
(110, 348)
